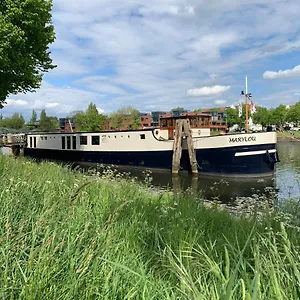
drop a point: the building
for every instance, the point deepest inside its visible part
(145, 121)
(155, 117)
(215, 119)
(66, 125)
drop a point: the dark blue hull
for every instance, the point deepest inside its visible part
(216, 161)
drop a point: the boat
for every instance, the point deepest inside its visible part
(247, 154)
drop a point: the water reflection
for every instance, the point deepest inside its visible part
(4, 150)
(285, 181)
(288, 170)
(211, 187)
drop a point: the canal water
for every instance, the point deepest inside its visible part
(285, 182)
(4, 150)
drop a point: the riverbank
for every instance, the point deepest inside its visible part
(68, 235)
(288, 137)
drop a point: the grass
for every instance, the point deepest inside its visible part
(288, 134)
(67, 235)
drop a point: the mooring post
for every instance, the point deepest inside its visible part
(183, 126)
(177, 147)
(190, 146)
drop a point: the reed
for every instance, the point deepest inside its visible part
(71, 235)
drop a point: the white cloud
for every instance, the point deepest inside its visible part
(66, 101)
(220, 102)
(208, 91)
(100, 110)
(51, 104)
(290, 73)
(16, 102)
(149, 53)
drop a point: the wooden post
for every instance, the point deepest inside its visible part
(176, 185)
(10, 152)
(177, 147)
(183, 126)
(190, 146)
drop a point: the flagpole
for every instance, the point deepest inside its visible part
(247, 124)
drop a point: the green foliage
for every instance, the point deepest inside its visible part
(197, 110)
(33, 117)
(67, 235)
(90, 120)
(262, 116)
(293, 114)
(233, 117)
(215, 109)
(278, 115)
(127, 117)
(176, 108)
(16, 121)
(47, 124)
(25, 33)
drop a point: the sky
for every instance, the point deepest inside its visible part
(161, 54)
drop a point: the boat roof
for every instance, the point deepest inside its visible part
(95, 132)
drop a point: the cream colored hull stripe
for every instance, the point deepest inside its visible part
(248, 153)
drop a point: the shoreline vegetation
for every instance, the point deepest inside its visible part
(288, 137)
(74, 235)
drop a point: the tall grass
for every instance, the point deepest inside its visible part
(67, 235)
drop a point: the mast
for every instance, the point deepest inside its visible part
(247, 123)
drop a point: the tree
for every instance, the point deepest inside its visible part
(176, 108)
(233, 116)
(16, 121)
(278, 115)
(25, 35)
(33, 118)
(47, 124)
(127, 117)
(262, 116)
(293, 114)
(90, 120)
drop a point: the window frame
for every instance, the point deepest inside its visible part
(83, 140)
(97, 142)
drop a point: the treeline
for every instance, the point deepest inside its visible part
(278, 116)
(92, 120)
(17, 121)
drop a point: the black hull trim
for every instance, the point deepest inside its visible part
(216, 161)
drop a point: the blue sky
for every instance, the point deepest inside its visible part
(160, 54)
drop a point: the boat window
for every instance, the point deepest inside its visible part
(34, 142)
(46, 138)
(30, 142)
(83, 140)
(95, 140)
(63, 142)
(68, 142)
(42, 138)
(143, 136)
(74, 142)
(129, 136)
